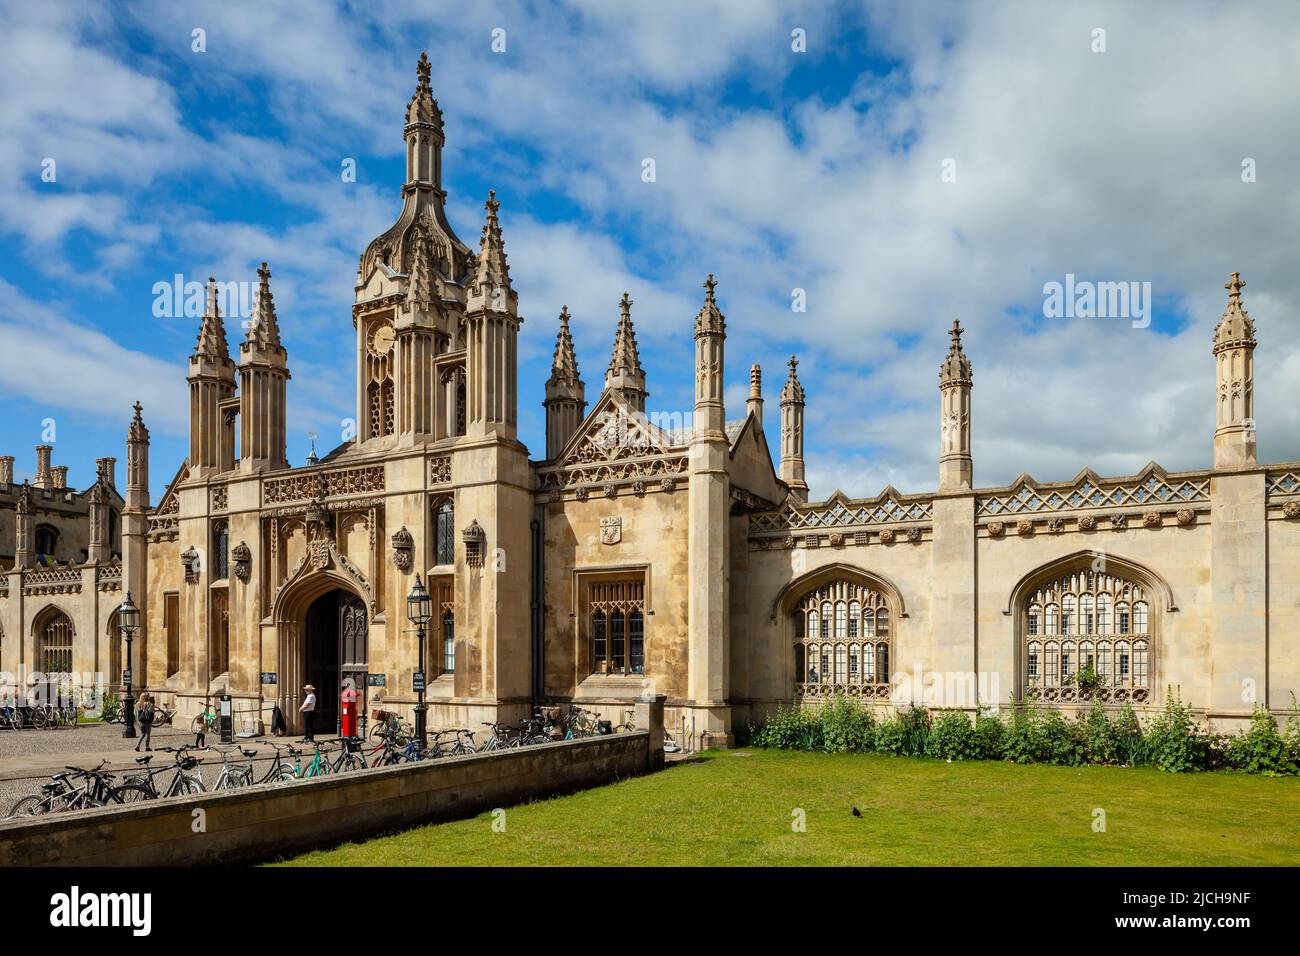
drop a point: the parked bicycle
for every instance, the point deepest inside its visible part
(238, 774)
(71, 789)
(143, 785)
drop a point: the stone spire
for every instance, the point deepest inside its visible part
(263, 328)
(955, 465)
(212, 381)
(564, 364)
(565, 392)
(423, 200)
(263, 372)
(212, 331)
(625, 374)
(792, 412)
(422, 109)
(419, 290)
(491, 337)
(710, 318)
(1234, 358)
(137, 463)
(955, 369)
(710, 338)
(490, 286)
(423, 132)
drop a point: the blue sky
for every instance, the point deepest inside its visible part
(775, 169)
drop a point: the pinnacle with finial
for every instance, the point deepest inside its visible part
(212, 331)
(1236, 329)
(710, 319)
(792, 392)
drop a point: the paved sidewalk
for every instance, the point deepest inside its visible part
(28, 757)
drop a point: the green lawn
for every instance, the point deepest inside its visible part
(728, 809)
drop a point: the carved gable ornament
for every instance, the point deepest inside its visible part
(611, 530)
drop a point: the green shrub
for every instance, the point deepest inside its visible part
(847, 726)
(916, 731)
(952, 737)
(792, 728)
(990, 737)
(1099, 744)
(1177, 742)
(1261, 748)
(1059, 741)
(1044, 736)
(1131, 747)
(891, 736)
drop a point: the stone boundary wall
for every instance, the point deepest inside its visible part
(244, 826)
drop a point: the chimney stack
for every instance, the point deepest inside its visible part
(6, 469)
(42, 479)
(59, 476)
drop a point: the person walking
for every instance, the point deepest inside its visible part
(144, 714)
(199, 728)
(308, 711)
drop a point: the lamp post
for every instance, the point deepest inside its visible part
(419, 609)
(128, 619)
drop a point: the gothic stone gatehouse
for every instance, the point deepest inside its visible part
(688, 563)
(60, 574)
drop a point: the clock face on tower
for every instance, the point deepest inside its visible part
(381, 340)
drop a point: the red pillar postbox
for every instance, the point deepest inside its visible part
(348, 709)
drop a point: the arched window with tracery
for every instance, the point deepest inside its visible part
(1102, 646)
(842, 636)
(445, 532)
(54, 640)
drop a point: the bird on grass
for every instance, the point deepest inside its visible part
(857, 812)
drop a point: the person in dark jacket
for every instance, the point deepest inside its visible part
(144, 713)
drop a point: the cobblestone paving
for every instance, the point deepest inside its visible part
(28, 757)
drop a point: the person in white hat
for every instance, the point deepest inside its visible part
(308, 711)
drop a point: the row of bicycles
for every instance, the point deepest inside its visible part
(39, 716)
(389, 743)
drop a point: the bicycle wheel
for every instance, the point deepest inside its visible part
(31, 807)
(132, 793)
(191, 785)
(37, 717)
(351, 762)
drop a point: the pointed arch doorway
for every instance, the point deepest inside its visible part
(334, 648)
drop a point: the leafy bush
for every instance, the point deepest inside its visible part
(1178, 744)
(1039, 736)
(891, 737)
(916, 731)
(1131, 748)
(1099, 743)
(847, 726)
(1175, 741)
(952, 737)
(793, 728)
(1261, 748)
(990, 737)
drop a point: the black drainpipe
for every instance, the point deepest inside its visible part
(538, 581)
